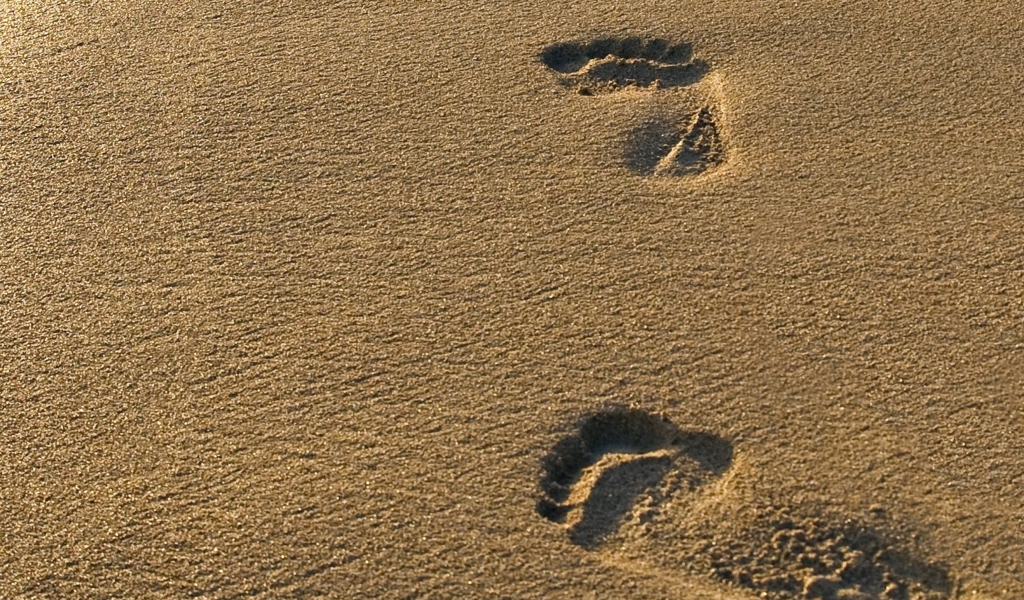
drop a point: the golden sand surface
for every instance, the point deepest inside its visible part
(511, 299)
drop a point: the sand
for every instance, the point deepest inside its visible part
(657, 299)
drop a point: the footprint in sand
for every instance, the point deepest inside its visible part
(610, 64)
(663, 145)
(622, 465)
(596, 477)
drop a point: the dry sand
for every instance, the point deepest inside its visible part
(352, 299)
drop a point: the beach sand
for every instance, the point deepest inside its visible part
(657, 299)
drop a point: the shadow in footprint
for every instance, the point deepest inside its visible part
(614, 494)
(608, 64)
(662, 145)
(594, 477)
(711, 452)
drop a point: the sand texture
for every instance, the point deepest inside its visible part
(711, 300)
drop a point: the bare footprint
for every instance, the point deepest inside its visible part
(667, 143)
(627, 464)
(609, 64)
(595, 477)
(662, 145)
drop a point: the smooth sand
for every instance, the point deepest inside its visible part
(297, 297)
